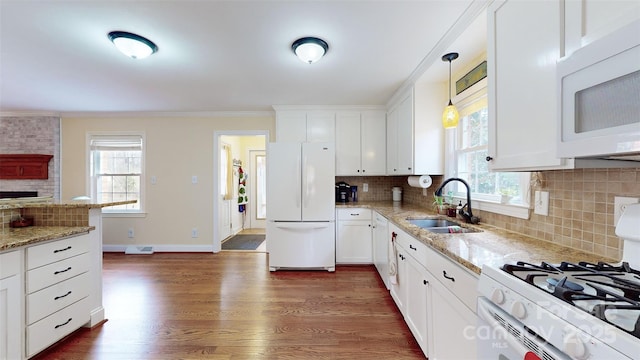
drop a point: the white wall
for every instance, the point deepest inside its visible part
(176, 149)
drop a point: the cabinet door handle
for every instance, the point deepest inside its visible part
(425, 282)
(60, 250)
(64, 323)
(488, 158)
(61, 296)
(444, 273)
(413, 247)
(61, 271)
(393, 236)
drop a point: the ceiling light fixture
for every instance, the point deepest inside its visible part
(450, 115)
(310, 49)
(132, 45)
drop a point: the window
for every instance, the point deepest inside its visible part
(469, 152)
(116, 170)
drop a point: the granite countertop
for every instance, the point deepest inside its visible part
(23, 203)
(492, 246)
(11, 238)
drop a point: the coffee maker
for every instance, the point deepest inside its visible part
(343, 192)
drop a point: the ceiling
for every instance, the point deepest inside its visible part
(220, 55)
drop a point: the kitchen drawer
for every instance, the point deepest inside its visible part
(413, 247)
(354, 214)
(42, 303)
(50, 252)
(47, 275)
(10, 264)
(54, 327)
(454, 277)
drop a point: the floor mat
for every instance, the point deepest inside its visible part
(243, 242)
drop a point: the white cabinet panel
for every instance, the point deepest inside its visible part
(305, 126)
(353, 239)
(348, 158)
(415, 137)
(381, 245)
(521, 73)
(453, 335)
(11, 322)
(360, 143)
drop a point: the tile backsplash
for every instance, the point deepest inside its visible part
(580, 210)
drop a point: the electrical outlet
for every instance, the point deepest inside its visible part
(130, 233)
(154, 180)
(620, 204)
(194, 179)
(194, 232)
(365, 187)
(541, 203)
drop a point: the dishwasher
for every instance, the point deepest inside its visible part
(381, 244)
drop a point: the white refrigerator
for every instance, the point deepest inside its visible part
(301, 206)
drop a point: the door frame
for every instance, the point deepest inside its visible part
(217, 242)
(251, 211)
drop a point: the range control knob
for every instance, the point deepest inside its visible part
(574, 347)
(497, 296)
(518, 310)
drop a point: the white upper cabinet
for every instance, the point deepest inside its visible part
(415, 133)
(589, 20)
(305, 126)
(521, 72)
(360, 143)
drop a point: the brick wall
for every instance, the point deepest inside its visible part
(32, 135)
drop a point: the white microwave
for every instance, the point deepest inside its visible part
(599, 87)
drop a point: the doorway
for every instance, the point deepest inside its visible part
(239, 152)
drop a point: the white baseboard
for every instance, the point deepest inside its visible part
(161, 248)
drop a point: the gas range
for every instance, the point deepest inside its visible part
(567, 310)
(611, 293)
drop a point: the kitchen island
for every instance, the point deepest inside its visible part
(51, 273)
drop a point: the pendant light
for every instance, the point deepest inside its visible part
(132, 45)
(450, 115)
(309, 49)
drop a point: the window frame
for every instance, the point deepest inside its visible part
(110, 211)
(483, 202)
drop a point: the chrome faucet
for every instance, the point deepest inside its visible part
(466, 215)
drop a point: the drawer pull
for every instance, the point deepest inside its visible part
(356, 214)
(61, 296)
(413, 247)
(60, 250)
(64, 323)
(61, 271)
(444, 273)
(425, 282)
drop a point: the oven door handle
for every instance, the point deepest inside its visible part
(496, 327)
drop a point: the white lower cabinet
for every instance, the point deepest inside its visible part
(354, 244)
(453, 324)
(411, 290)
(436, 298)
(11, 323)
(57, 291)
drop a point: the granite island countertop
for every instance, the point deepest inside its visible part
(491, 246)
(11, 238)
(29, 203)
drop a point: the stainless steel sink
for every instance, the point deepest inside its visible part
(430, 223)
(441, 226)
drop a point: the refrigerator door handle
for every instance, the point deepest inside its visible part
(303, 225)
(298, 181)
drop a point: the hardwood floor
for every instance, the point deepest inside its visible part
(229, 306)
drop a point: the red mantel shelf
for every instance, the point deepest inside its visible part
(24, 166)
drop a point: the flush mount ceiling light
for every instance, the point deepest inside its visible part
(450, 115)
(132, 45)
(310, 49)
